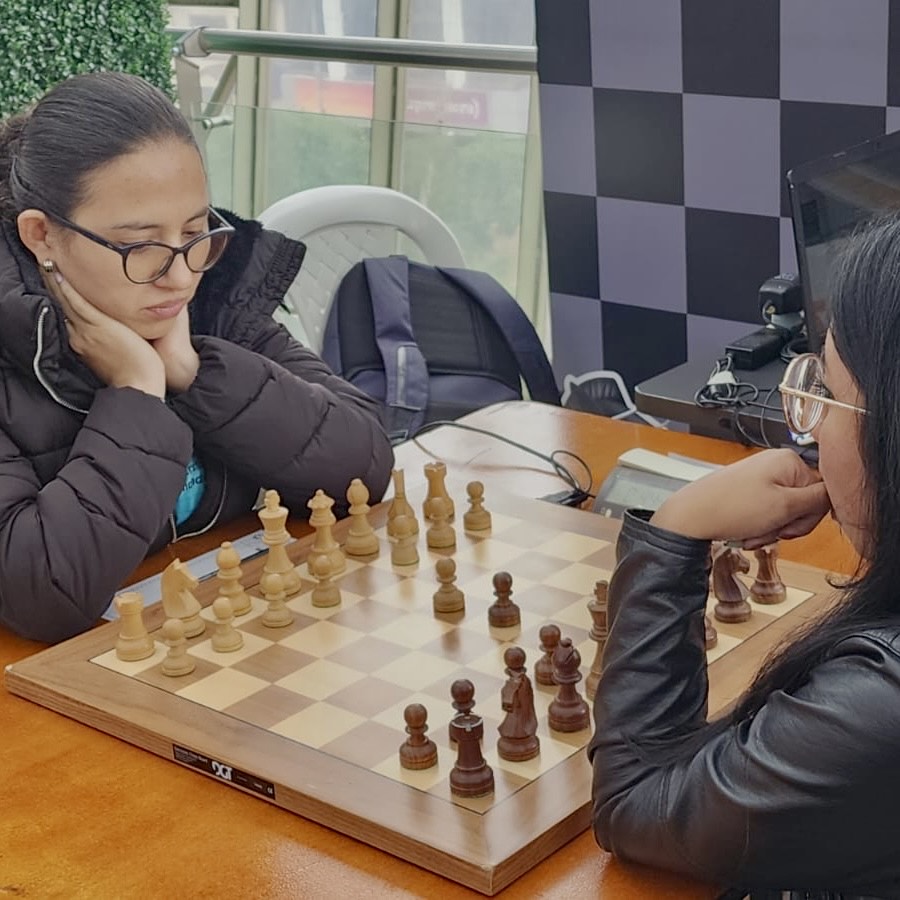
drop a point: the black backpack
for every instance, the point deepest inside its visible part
(432, 343)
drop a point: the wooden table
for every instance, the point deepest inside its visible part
(83, 815)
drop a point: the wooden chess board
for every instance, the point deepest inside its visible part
(310, 716)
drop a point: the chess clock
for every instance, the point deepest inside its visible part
(642, 479)
(627, 488)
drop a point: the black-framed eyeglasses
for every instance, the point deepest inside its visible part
(147, 261)
(804, 396)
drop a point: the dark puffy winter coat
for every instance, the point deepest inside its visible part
(89, 474)
(798, 801)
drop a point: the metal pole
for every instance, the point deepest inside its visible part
(378, 51)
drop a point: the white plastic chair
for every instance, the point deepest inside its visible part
(340, 225)
(603, 392)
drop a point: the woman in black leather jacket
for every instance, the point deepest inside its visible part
(798, 788)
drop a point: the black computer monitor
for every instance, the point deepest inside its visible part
(830, 197)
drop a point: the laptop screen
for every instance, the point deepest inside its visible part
(829, 198)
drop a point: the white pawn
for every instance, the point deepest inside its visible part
(448, 597)
(177, 661)
(361, 538)
(326, 593)
(226, 638)
(133, 642)
(403, 544)
(440, 535)
(277, 615)
(476, 518)
(229, 562)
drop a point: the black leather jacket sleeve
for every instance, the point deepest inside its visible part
(801, 796)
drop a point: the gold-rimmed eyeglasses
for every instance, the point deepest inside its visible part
(804, 397)
(147, 261)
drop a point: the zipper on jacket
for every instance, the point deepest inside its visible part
(212, 521)
(36, 366)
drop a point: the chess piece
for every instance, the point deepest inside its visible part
(730, 592)
(471, 776)
(462, 693)
(418, 751)
(448, 598)
(518, 731)
(177, 661)
(710, 635)
(567, 711)
(176, 586)
(226, 638)
(133, 642)
(440, 534)
(597, 607)
(326, 593)
(476, 518)
(277, 615)
(403, 545)
(400, 505)
(275, 536)
(229, 574)
(324, 544)
(503, 613)
(436, 473)
(767, 588)
(361, 537)
(543, 669)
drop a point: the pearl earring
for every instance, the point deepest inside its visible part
(48, 266)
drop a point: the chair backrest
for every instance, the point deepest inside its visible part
(342, 224)
(603, 392)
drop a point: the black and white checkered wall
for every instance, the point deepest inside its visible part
(667, 128)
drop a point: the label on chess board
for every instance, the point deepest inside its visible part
(223, 771)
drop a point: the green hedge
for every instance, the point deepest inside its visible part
(43, 42)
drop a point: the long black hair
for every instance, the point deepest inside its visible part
(47, 152)
(865, 327)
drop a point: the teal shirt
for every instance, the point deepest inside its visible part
(192, 492)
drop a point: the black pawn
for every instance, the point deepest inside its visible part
(503, 613)
(568, 710)
(418, 752)
(543, 668)
(471, 776)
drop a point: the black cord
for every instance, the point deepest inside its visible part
(794, 347)
(763, 408)
(578, 493)
(722, 389)
(736, 396)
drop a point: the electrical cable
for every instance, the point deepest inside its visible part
(577, 493)
(723, 391)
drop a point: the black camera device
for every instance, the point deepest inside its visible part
(780, 305)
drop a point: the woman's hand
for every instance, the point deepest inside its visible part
(178, 354)
(767, 496)
(117, 355)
